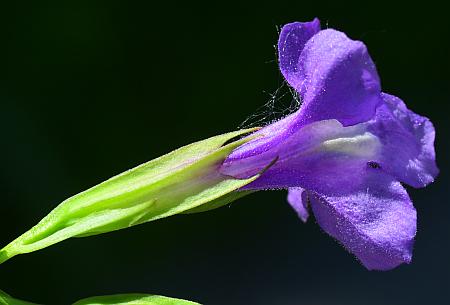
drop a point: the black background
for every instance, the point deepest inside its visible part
(91, 88)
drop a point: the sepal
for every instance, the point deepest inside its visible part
(180, 181)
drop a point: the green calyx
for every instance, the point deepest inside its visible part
(186, 180)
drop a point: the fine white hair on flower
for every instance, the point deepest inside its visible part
(282, 102)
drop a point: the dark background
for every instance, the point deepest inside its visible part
(89, 89)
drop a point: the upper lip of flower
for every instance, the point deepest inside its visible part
(327, 148)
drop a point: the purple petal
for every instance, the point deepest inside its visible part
(293, 38)
(408, 143)
(322, 156)
(337, 80)
(298, 199)
(335, 77)
(315, 147)
(376, 221)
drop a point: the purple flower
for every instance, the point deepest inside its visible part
(346, 151)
